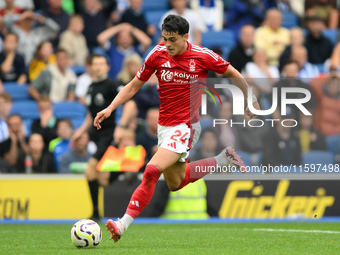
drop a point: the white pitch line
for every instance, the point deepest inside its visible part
(296, 230)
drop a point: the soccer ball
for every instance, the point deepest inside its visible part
(86, 234)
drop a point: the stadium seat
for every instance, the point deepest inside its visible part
(71, 110)
(156, 5)
(27, 109)
(17, 92)
(331, 34)
(333, 143)
(154, 17)
(316, 158)
(289, 20)
(28, 125)
(223, 39)
(78, 69)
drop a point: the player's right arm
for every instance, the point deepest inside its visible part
(123, 96)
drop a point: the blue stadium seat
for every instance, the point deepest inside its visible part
(27, 109)
(289, 20)
(206, 122)
(78, 69)
(71, 110)
(331, 34)
(223, 38)
(333, 143)
(17, 92)
(318, 157)
(154, 17)
(76, 122)
(156, 5)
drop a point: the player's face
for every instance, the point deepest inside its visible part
(99, 68)
(175, 44)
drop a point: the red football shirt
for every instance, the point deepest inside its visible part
(175, 78)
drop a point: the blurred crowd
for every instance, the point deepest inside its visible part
(46, 45)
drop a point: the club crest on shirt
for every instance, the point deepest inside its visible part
(99, 99)
(192, 65)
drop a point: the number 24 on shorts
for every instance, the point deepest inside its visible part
(178, 136)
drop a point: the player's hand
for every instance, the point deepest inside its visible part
(249, 113)
(102, 115)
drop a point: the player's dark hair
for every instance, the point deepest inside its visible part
(175, 24)
(96, 55)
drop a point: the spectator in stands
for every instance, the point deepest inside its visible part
(196, 26)
(252, 139)
(95, 21)
(244, 50)
(83, 82)
(124, 40)
(209, 145)
(46, 125)
(318, 46)
(30, 37)
(57, 81)
(272, 37)
(12, 64)
(326, 9)
(10, 8)
(134, 15)
(56, 13)
(43, 56)
(335, 59)
(5, 109)
(306, 69)
(282, 145)
(131, 64)
(291, 73)
(260, 73)
(246, 12)
(296, 39)
(75, 160)
(61, 144)
(74, 42)
(284, 5)
(147, 97)
(22, 4)
(227, 135)
(327, 117)
(310, 139)
(148, 139)
(14, 149)
(211, 11)
(42, 161)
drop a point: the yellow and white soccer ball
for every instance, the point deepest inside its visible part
(86, 234)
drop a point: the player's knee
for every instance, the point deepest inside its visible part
(173, 186)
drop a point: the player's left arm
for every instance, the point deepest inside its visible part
(241, 83)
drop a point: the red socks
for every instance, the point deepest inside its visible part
(144, 192)
(196, 170)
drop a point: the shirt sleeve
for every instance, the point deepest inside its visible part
(215, 62)
(149, 66)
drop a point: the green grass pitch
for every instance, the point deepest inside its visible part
(175, 239)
